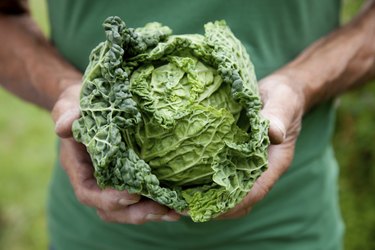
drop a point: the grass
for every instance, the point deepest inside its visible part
(27, 153)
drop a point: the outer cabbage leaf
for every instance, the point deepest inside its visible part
(109, 116)
(174, 117)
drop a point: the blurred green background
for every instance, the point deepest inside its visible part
(27, 152)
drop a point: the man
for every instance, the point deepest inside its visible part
(303, 60)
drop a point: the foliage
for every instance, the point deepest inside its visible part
(355, 147)
(355, 151)
(27, 153)
(164, 116)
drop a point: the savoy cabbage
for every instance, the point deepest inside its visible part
(173, 117)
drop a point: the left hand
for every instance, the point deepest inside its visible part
(283, 106)
(111, 205)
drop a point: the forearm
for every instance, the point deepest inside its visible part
(30, 67)
(336, 63)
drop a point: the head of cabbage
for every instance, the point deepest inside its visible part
(174, 118)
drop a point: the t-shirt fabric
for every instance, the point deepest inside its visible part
(300, 212)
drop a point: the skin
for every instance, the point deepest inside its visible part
(334, 64)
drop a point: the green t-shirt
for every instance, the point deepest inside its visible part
(300, 212)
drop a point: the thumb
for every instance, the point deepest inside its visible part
(277, 129)
(66, 110)
(64, 122)
(281, 106)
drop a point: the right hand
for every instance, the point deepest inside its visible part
(283, 104)
(111, 205)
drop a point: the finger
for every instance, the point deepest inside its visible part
(66, 110)
(280, 157)
(277, 129)
(142, 212)
(90, 194)
(78, 166)
(282, 105)
(63, 126)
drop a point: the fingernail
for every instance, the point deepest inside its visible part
(280, 126)
(153, 217)
(169, 218)
(184, 213)
(126, 202)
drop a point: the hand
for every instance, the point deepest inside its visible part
(283, 106)
(111, 205)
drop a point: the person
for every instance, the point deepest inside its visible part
(304, 60)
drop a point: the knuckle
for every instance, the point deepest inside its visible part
(81, 197)
(137, 220)
(103, 216)
(262, 190)
(58, 109)
(110, 205)
(246, 210)
(133, 218)
(114, 217)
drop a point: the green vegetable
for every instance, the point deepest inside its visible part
(173, 117)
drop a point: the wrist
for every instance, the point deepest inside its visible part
(51, 75)
(335, 63)
(303, 84)
(290, 83)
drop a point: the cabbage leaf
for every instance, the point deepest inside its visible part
(174, 118)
